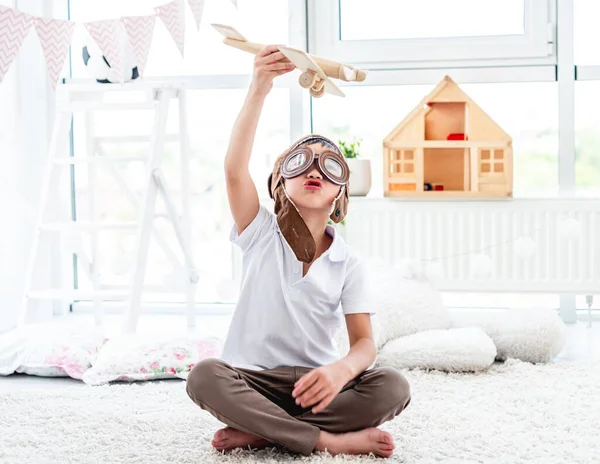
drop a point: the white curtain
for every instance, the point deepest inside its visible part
(25, 123)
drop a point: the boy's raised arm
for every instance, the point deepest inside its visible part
(241, 191)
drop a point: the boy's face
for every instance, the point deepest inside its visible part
(311, 190)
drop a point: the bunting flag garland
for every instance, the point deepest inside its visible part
(14, 27)
(197, 7)
(108, 36)
(139, 30)
(173, 16)
(55, 38)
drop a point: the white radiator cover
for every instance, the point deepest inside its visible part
(456, 230)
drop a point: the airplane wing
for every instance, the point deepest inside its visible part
(229, 32)
(303, 61)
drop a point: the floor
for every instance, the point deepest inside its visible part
(583, 342)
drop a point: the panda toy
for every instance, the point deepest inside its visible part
(101, 70)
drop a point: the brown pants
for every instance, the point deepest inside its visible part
(261, 402)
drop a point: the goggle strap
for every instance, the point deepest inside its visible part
(289, 199)
(339, 194)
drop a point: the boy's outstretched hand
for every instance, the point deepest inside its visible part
(268, 64)
(320, 386)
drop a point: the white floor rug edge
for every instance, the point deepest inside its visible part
(515, 412)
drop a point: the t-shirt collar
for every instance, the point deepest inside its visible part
(337, 249)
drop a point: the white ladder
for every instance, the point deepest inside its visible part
(88, 98)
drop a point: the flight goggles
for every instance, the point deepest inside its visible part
(331, 164)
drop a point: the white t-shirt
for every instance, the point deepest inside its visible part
(282, 318)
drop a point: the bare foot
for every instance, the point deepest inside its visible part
(230, 438)
(364, 441)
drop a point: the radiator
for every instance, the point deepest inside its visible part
(452, 236)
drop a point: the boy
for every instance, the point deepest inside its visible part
(280, 380)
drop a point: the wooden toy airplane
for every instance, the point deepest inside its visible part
(316, 71)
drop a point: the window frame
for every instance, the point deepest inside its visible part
(536, 44)
(307, 30)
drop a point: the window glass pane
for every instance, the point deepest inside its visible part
(587, 137)
(204, 51)
(211, 220)
(528, 112)
(406, 19)
(587, 32)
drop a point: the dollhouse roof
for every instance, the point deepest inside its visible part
(446, 90)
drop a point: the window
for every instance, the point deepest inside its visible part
(491, 161)
(403, 162)
(211, 219)
(587, 137)
(586, 32)
(211, 114)
(392, 31)
(507, 47)
(382, 19)
(204, 51)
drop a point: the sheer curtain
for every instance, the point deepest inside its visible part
(26, 100)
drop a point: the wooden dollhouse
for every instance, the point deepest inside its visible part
(448, 147)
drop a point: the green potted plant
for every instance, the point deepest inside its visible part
(360, 169)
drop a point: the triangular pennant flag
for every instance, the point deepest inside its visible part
(55, 38)
(108, 35)
(139, 30)
(197, 7)
(173, 16)
(14, 27)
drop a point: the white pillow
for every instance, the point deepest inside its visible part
(531, 335)
(406, 305)
(47, 350)
(453, 350)
(134, 357)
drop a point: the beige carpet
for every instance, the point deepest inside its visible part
(514, 413)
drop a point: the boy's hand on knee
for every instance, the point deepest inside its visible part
(319, 387)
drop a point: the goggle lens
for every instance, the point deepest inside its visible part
(296, 161)
(333, 167)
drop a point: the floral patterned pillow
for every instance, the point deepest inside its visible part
(47, 350)
(134, 357)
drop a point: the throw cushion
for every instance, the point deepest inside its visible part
(406, 304)
(532, 335)
(134, 357)
(453, 350)
(48, 350)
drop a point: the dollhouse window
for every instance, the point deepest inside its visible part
(492, 161)
(404, 162)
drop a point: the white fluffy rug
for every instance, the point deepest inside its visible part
(516, 412)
